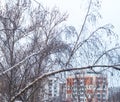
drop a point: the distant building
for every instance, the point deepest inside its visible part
(81, 87)
(114, 94)
(87, 87)
(52, 89)
(62, 92)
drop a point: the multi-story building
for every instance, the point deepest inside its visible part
(62, 92)
(87, 87)
(114, 94)
(52, 89)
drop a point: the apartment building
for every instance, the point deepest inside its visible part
(114, 94)
(52, 89)
(62, 92)
(87, 87)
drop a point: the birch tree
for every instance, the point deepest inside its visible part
(33, 47)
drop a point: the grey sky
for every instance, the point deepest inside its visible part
(109, 11)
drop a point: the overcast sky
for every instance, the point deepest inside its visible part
(110, 11)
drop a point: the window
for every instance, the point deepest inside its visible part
(50, 82)
(103, 86)
(104, 96)
(98, 86)
(98, 96)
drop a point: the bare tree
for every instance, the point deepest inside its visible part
(32, 44)
(26, 30)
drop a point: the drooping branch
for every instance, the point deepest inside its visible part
(105, 53)
(59, 71)
(11, 68)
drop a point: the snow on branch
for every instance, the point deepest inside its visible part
(59, 71)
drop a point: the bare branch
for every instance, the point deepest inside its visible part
(55, 72)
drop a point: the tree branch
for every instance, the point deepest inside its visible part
(9, 69)
(55, 72)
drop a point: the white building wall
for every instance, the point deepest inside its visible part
(52, 88)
